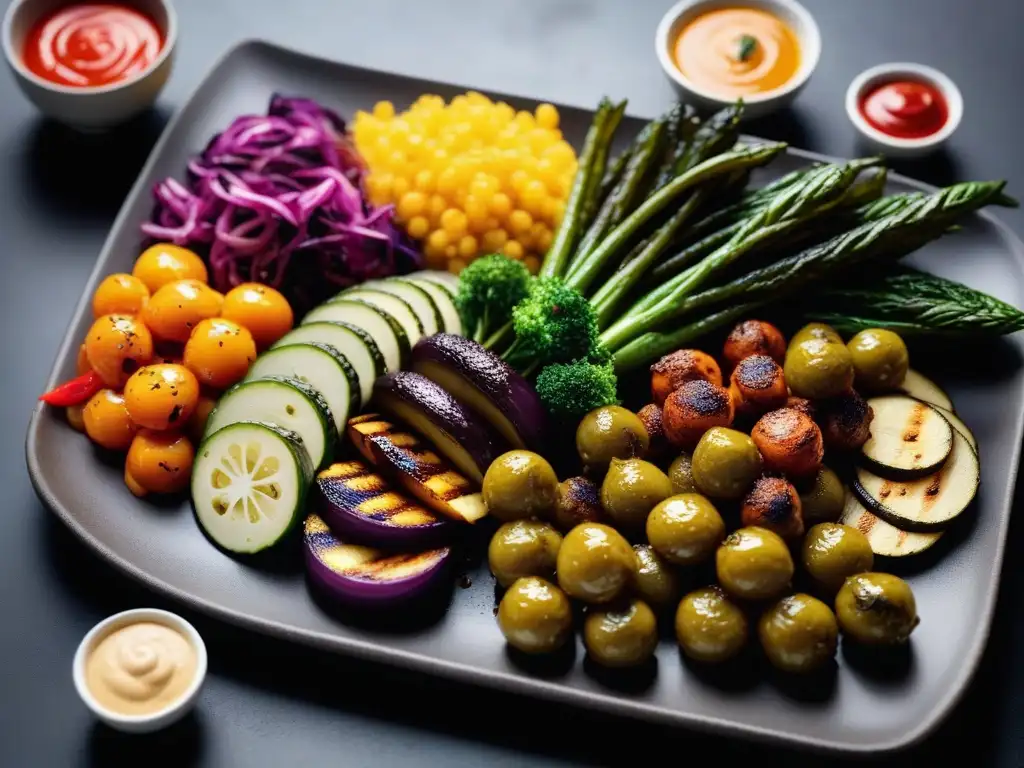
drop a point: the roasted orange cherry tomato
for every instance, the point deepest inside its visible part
(107, 422)
(161, 396)
(219, 352)
(197, 424)
(76, 417)
(119, 294)
(82, 362)
(117, 346)
(174, 310)
(164, 263)
(158, 462)
(261, 309)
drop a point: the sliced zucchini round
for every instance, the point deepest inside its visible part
(958, 424)
(920, 386)
(398, 308)
(443, 297)
(382, 327)
(927, 503)
(909, 438)
(353, 342)
(447, 279)
(416, 297)
(886, 540)
(249, 485)
(322, 367)
(289, 403)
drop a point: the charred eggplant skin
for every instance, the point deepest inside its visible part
(487, 383)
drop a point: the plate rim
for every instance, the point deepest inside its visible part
(515, 683)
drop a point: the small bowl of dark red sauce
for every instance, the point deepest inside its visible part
(904, 110)
(90, 64)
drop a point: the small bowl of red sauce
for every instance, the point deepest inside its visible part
(91, 65)
(903, 109)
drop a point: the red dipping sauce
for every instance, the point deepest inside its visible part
(89, 45)
(905, 109)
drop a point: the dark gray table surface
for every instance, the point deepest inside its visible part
(266, 703)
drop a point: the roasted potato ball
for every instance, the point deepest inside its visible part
(674, 370)
(754, 337)
(650, 416)
(789, 442)
(845, 421)
(693, 409)
(774, 503)
(758, 385)
(803, 405)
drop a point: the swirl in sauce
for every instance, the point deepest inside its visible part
(906, 109)
(91, 45)
(140, 669)
(737, 52)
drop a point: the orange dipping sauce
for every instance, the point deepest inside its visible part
(735, 52)
(89, 45)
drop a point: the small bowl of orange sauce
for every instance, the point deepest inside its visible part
(717, 51)
(91, 65)
(904, 110)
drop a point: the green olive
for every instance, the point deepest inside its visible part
(621, 637)
(754, 563)
(798, 633)
(725, 463)
(816, 331)
(832, 552)
(595, 563)
(818, 369)
(611, 432)
(520, 484)
(535, 616)
(579, 501)
(523, 548)
(880, 359)
(823, 501)
(680, 474)
(709, 626)
(655, 580)
(877, 609)
(630, 491)
(685, 529)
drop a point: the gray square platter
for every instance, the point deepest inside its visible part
(855, 708)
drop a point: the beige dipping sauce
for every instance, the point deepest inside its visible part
(140, 668)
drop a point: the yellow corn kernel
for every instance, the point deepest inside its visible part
(500, 205)
(494, 240)
(384, 110)
(513, 249)
(418, 227)
(399, 187)
(454, 222)
(532, 263)
(436, 207)
(547, 116)
(468, 247)
(456, 265)
(519, 221)
(451, 251)
(411, 204)
(424, 180)
(438, 239)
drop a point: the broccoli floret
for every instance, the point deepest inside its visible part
(489, 288)
(571, 390)
(554, 324)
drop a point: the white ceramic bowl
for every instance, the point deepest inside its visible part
(890, 145)
(95, 107)
(757, 105)
(156, 720)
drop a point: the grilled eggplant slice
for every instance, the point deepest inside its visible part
(909, 438)
(927, 503)
(487, 384)
(414, 464)
(466, 439)
(886, 540)
(360, 507)
(920, 386)
(363, 577)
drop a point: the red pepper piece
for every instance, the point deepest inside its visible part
(74, 392)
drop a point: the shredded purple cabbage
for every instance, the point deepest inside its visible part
(278, 199)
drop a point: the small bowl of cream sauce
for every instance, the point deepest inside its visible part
(140, 670)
